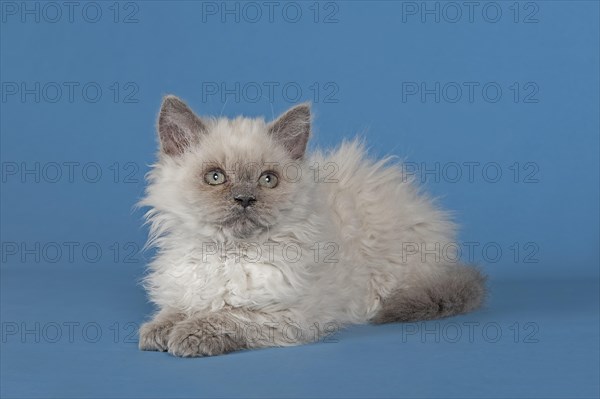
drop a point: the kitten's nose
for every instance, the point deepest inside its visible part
(245, 200)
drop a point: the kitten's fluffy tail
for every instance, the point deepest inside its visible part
(460, 289)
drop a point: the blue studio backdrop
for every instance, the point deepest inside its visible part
(493, 106)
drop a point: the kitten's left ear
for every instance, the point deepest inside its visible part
(292, 129)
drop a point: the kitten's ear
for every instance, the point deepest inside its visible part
(292, 129)
(178, 126)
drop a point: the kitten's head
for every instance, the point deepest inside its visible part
(234, 176)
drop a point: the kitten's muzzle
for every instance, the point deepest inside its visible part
(245, 200)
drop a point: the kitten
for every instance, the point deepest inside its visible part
(260, 244)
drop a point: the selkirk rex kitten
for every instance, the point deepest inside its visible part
(259, 244)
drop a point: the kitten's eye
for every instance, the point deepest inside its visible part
(268, 179)
(214, 177)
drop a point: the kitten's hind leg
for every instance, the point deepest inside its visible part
(457, 289)
(154, 334)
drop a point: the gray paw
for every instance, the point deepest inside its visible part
(202, 337)
(154, 335)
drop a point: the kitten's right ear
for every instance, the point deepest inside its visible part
(292, 129)
(178, 126)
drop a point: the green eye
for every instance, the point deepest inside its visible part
(268, 179)
(214, 177)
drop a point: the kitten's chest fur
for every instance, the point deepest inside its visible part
(267, 275)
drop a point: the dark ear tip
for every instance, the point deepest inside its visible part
(171, 101)
(301, 110)
(305, 106)
(169, 98)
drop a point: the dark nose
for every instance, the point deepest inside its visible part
(245, 200)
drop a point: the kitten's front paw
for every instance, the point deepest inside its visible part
(202, 337)
(154, 335)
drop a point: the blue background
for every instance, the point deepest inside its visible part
(355, 61)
